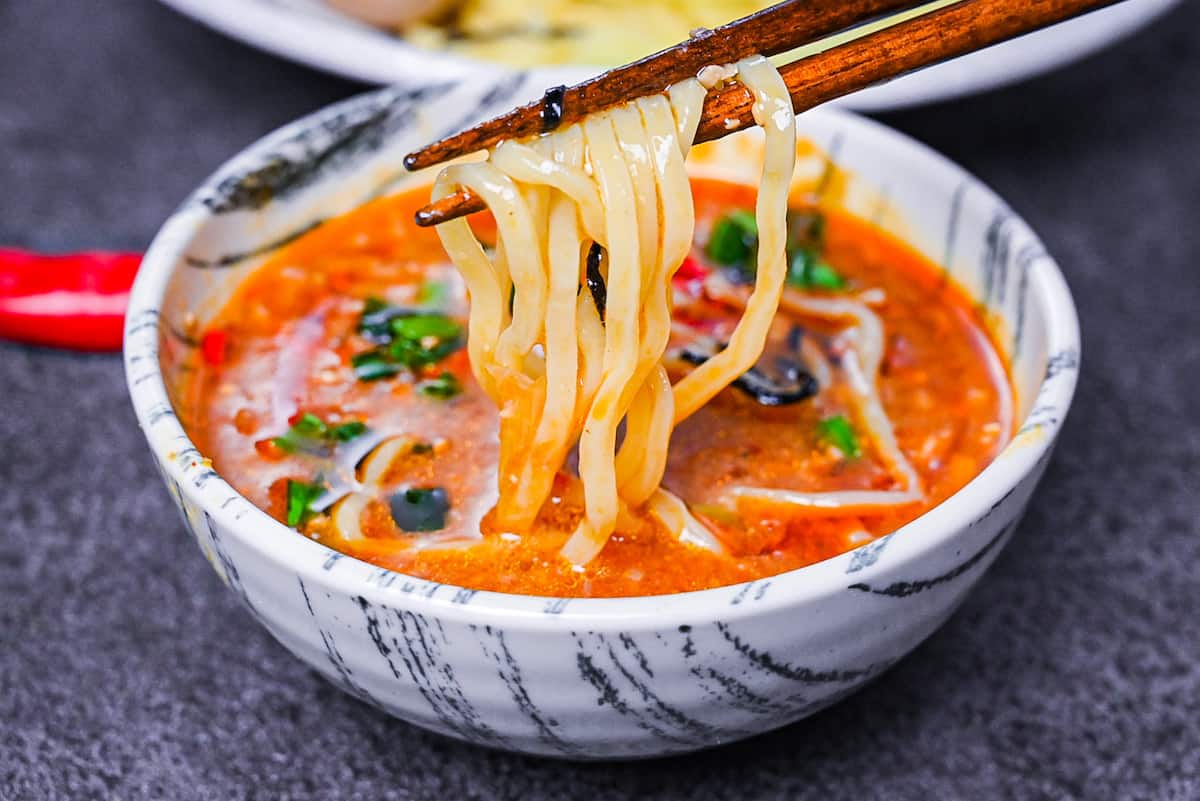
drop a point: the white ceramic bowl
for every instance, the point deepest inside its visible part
(593, 678)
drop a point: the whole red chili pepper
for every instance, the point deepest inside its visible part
(74, 300)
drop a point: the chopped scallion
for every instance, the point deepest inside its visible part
(300, 496)
(404, 339)
(420, 326)
(733, 239)
(807, 271)
(372, 365)
(347, 431)
(412, 354)
(377, 316)
(310, 432)
(838, 432)
(444, 386)
(285, 443)
(822, 276)
(798, 267)
(745, 221)
(309, 425)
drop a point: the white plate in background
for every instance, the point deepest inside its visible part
(311, 33)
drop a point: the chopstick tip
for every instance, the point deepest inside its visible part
(427, 217)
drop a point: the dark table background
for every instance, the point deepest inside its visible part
(1073, 671)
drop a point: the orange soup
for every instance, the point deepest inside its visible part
(335, 392)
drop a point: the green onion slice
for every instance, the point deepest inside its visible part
(420, 326)
(300, 495)
(404, 340)
(443, 387)
(806, 270)
(733, 239)
(309, 425)
(838, 432)
(372, 365)
(310, 432)
(345, 432)
(376, 319)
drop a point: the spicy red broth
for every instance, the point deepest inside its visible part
(355, 332)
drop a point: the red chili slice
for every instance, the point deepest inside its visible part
(690, 270)
(213, 346)
(74, 300)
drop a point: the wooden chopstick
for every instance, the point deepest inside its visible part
(917, 42)
(952, 31)
(773, 30)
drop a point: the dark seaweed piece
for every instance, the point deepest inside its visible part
(420, 508)
(795, 337)
(552, 107)
(790, 375)
(793, 384)
(595, 280)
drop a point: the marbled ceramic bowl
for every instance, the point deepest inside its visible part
(594, 678)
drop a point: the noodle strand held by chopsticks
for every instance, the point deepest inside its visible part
(860, 370)
(582, 348)
(772, 111)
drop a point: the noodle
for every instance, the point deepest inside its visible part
(592, 222)
(860, 371)
(773, 111)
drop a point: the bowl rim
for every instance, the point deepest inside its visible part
(312, 561)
